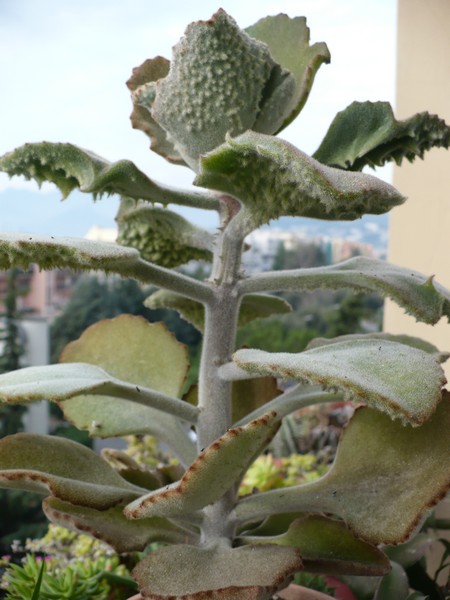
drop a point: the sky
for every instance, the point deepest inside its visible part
(63, 69)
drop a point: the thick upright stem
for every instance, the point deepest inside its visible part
(221, 315)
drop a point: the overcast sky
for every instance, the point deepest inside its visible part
(63, 65)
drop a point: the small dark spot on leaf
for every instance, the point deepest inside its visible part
(138, 389)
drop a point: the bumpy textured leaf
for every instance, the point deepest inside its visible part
(61, 382)
(327, 546)
(112, 527)
(367, 133)
(214, 471)
(288, 40)
(141, 353)
(218, 573)
(408, 340)
(142, 85)
(419, 295)
(272, 178)
(66, 469)
(254, 306)
(70, 167)
(400, 380)
(384, 479)
(162, 236)
(214, 86)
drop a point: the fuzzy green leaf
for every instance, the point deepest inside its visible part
(229, 456)
(327, 546)
(367, 133)
(372, 484)
(70, 167)
(272, 179)
(418, 294)
(118, 346)
(61, 382)
(397, 379)
(112, 527)
(66, 469)
(162, 236)
(218, 573)
(253, 306)
(142, 85)
(288, 41)
(408, 340)
(214, 86)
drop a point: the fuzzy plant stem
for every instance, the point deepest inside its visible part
(214, 404)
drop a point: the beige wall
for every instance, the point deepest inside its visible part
(419, 235)
(420, 229)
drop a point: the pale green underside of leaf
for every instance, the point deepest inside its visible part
(219, 573)
(213, 472)
(70, 167)
(143, 354)
(272, 178)
(253, 306)
(162, 236)
(61, 382)
(327, 546)
(397, 379)
(141, 83)
(418, 294)
(288, 41)
(112, 527)
(367, 133)
(372, 484)
(66, 469)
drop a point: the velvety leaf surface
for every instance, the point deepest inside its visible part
(214, 471)
(218, 573)
(327, 546)
(254, 306)
(214, 86)
(394, 378)
(70, 167)
(288, 40)
(61, 382)
(384, 479)
(418, 294)
(162, 236)
(66, 469)
(112, 527)
(138, 352)
(272, 179)
(142, 85)
(408, 340)
(367, 133)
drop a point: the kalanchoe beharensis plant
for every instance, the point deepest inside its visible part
(216, 108)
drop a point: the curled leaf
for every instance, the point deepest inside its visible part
(70, 167)
(201, 485)
(367, 133)
(397, 379)
(216, 572)
(112, 527)
(327, 546)
(162, 236)
(288, 41)
(142, 85)
(272, 178)
(372, 484)
(66, 469)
